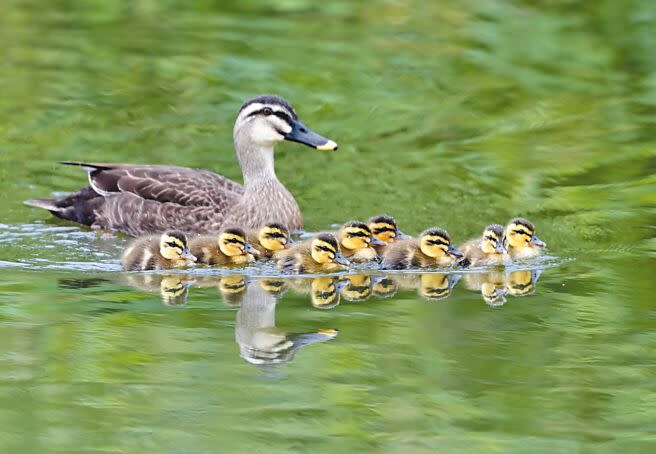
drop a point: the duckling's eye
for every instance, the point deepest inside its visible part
(521, 232)
(491, 238)
(171, 244)
(267, 111)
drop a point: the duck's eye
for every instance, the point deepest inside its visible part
(171, 244)
(267, 111)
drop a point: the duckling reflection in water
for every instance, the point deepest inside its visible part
(487, 250)
(229, 248)
(270, 240)
(320, 254)
(260, 341)
(522, 283)
(384, 287)
(158, 252)
(433, 249)
(231, 288)
(521, 240)
(435, 287)
(324, 292)
(173, 288)
(275, 287)
(358, 287)
(491, 285)
(357, 243)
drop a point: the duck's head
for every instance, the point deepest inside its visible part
(355, 235)
(173, 246)
(384, 228)
(436, 243)
(520, 234)
(493, 240)
(324, 250)
(325, 292)
(274, 237)
(265, 120)
(232, 242)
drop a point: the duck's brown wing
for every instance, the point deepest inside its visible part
(180, 185)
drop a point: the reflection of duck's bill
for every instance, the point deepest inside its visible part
(321, 335)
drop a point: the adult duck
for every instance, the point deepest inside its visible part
(140, 199)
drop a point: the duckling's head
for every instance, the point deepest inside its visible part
(434, 286)
(520, 234)
(232, 242)
(173, 246)
(325, 292)
(436, 243)
(274, 237)
(356, 235)
(493, 240)
(384, 287)
(492, 294)
(326, 250)
(384, 228)
(522, 283)
(275, 287)
(265, 120)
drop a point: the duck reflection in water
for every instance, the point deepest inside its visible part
(231, 287)
(357, 287)
(260, 341)
(384, 287)
(173, 288)
(436, 287)
(522, 283)
(496, 285)
(325, 292)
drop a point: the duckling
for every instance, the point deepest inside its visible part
(324, 292)
(274, 287)
(173, 288)
(356, 241)
(358, 287)
(433, 249)
(320, 254)
(158, 252)
(230, 248)
(487, 250)
(521, 240)
(270, 239)
(385, 229)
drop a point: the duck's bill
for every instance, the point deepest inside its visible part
(339, 258)
(302, 134)
(535, 241)
(454, 252)
(188, 256)
(500, 249)
(402, 236)
(376, 242)
(248, 247)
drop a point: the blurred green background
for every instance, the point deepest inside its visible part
(451, 113)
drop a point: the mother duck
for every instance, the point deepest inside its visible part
(138, 199)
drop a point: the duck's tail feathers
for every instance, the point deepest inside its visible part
(79, 206)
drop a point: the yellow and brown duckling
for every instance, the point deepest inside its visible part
(357, 243)
(385, 229)
(437, 286)
(358, 287)
(324, 292)
(433, 249)
(320, 254)
(487, 250)
(158, 252)
(229, 248)
(522, 283)
(521, 240)
(270, 239)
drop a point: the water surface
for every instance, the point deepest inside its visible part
(456, 114)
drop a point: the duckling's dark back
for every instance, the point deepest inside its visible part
(143, 254)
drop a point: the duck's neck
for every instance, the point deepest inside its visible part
(256, 162)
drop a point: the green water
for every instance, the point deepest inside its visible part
(447, 113)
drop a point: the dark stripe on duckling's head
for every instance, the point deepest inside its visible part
(275, 230)
(382, 218)
(356, 229)
(173, 235)
(328, 238)
(523, 222)
(438, 235)
(496, 229)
